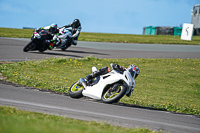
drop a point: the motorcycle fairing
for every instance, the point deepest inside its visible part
(96, 90)
(130, 82)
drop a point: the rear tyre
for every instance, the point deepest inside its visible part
(30, 46)
(75, 91)
(65, 47)
(113, 94)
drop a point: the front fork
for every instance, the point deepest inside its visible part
(83, 82)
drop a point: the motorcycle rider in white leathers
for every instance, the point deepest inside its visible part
(133, 70)
(76, 29)
(59, 34)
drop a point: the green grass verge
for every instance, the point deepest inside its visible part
(104, 37)
(167, 84)
(13, 120)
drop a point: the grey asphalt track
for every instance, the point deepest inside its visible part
(87, 109)
(12, 49)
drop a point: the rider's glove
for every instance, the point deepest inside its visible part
(55, 37)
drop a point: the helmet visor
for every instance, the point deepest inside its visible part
(132, 72)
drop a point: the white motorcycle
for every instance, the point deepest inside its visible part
(63, 38)
(109, 88)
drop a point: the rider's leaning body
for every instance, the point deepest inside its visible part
(76, 29)
(58, 33)
(133, 70)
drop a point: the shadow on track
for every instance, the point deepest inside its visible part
(68, 53)
(56, 54)
(83, 52)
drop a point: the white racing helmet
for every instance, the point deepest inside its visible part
(133, 70)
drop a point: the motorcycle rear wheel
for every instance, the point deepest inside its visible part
(64, 48)
(113, 94)
(30, 46)
(75, 91)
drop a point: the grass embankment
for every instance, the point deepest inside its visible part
(167, 84)
(13, 120)
(105, 37)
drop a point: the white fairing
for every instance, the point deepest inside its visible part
(47, 27)
(64, 33)
(96, 90)
(129, 81)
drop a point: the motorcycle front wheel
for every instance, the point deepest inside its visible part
(75, 91)
(30, 46)
(113, 94)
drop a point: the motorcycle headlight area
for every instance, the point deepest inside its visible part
(38, 36)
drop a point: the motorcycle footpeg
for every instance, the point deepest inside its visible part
(129, 93)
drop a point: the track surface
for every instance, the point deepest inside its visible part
(12, 49)
(87, 109)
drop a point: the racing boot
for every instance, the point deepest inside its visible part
(74, 42)
(51, 44)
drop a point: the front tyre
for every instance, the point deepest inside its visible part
(75, 91)
(113, 94)
(30, 46)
